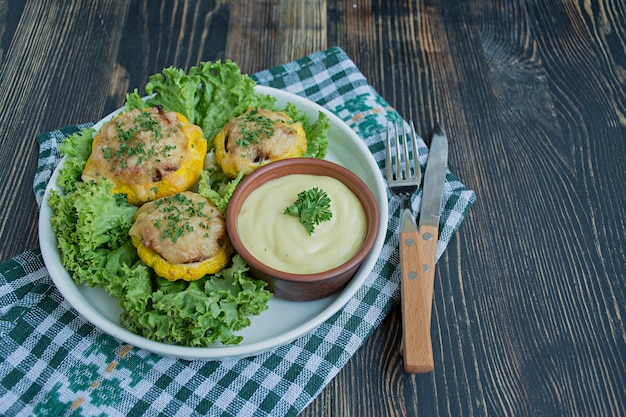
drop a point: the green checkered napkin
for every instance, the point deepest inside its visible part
(55, 363)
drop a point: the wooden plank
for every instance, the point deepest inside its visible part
(39, 91)
(266, 33)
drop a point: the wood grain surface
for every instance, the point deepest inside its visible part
(530, 297)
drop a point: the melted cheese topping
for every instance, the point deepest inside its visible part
(282, 242)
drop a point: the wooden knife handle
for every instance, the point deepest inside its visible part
(417, 265)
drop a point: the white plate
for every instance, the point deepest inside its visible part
(283, 321)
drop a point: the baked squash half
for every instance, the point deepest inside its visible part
(256, 138)
(181, 237)
(147, 154)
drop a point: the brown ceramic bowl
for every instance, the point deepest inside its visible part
(304, 287)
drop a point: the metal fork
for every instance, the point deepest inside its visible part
(404, 181)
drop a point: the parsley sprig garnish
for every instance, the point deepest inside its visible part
(312, 207)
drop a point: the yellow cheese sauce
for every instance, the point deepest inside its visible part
(280, 241)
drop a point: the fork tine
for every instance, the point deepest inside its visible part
(416, 159)
(407, 166)
(399, 175)
(407, 161)
(388, 163)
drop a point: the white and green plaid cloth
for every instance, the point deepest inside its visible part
(52, 362)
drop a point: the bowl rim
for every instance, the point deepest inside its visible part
(277, 169)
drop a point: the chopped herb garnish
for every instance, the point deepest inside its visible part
(312, 207)
(177, 212)
(130, 146)
(254, 128)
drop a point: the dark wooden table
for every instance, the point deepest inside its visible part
(530, 297)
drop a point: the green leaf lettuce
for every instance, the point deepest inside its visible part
(91, 224)
(209, 95)
(197, 313)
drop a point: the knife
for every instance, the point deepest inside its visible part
(418, 355)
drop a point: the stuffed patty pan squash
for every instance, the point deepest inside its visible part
(147, 154)
(181, 236)
(256, 138)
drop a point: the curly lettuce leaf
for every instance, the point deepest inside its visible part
(135, 101)
(76, 149)
(210, 95)
(316, 132)
(217, 187)
(91, 225)
(197, 313)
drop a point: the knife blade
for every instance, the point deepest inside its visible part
(418, 354)
(434, 178)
